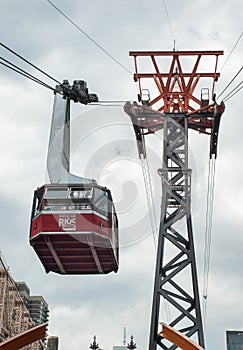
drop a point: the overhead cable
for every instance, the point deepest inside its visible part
(221, 93)
(148, 196)
(22, 72)
(208, 233)
(231, 94)
(153, 217)
(113, 101)
(88, 36)
(169, 22)
(36, 80)
(65, 88)
(31, 64)
(106, 104)
(150, 199)
(241, 34)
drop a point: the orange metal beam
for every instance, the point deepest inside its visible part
(175, 90)
(178, 338)
(167, 75)
(157, 71)
(26, 338)
(174, 53)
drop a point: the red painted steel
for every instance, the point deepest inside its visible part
(175, 88)
(69, 222)
(74, 241)
(24, 339)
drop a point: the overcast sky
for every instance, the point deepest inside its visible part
(103, 147)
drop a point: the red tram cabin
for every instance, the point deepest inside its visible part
(74, 229)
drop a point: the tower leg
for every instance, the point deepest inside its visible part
(176, 275)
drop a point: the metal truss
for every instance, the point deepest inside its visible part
(175, 87)
(174, 106)
(176, 253)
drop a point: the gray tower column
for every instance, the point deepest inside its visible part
(176, 254)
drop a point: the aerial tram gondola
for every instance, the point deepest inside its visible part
(74, 226)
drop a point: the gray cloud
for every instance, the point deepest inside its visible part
(105, 304)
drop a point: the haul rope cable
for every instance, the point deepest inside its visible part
(231, 51)
(169, 22)
(210, 198)
(31, 64)
(22, 72)
(27, 75)
(150, 202)
(39, 69)
(152, 199)
(221, 93)
(40, 82)
(88, 36)
(153, 218)
(208, 233)
(231, 94)
(155, 232)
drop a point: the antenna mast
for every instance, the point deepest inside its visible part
(124, 336)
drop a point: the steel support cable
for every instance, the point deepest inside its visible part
(22, 72)
(153, 218)
(207, 242)
(169, 22)
(40, 82)
(155, 225)
(17, 71)
(109, 103)
(210, 218)
(39, 69)
(231, 95)
(105, 105)
(221, 93)
(149, 201)
(208, 233)
(88, 36)
(236, 87)
(113, 101)
(31, 64)
(152, 198)
(31, 77)
(232, 51)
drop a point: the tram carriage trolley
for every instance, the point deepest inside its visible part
(74, 229)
